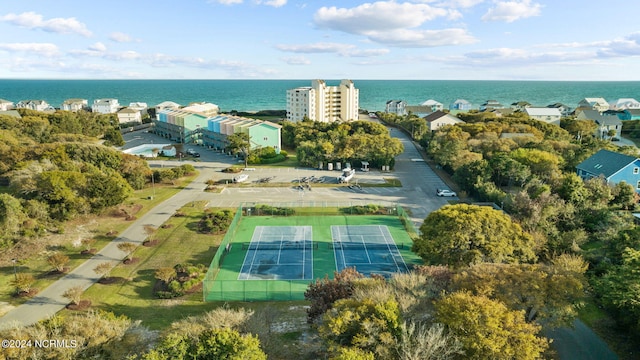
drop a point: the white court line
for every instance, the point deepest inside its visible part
(365, 248)
(255, 252)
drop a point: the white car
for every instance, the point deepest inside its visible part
(443, 192)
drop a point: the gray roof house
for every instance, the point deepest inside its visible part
(604, 122)
(614, 167)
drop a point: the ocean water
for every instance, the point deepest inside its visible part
(253, 95)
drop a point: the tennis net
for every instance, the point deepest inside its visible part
(348, 246)
(284, 246)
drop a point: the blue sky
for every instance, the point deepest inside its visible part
(290, 39)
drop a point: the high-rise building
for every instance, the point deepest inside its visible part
(324, 103)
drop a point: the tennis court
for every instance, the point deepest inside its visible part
(276, 257)
(279, 253)
(369, 248)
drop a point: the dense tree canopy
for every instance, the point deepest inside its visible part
(346, 142)
(548, 294)
(462, 234)
(488, 329)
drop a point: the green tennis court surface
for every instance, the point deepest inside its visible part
(276, 257)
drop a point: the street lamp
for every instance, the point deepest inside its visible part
(153, 186)
(15, 273)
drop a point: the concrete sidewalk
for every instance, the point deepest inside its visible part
(50, 300)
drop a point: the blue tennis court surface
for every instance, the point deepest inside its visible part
(279, 253)
(369, 248)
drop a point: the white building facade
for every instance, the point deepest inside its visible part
(323, 103)
(105, 106)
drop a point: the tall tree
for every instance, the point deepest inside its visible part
(459, 235)
(240, 143)
(487, 329)
(549, 295)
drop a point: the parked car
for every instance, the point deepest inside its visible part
(195, 154)
(190, 151)
(444, 192)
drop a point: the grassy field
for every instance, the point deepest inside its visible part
(178, 242)
(32, 257)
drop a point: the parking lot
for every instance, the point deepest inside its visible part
(417, 194)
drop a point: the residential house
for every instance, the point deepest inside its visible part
(38, 105)
(433, 105)
(75, 105)
(397, 107)
(598, 104)
(105, 106)
(460, 104)
(624, 103)
(439, 119)
(203, 108)
(500, 112)
(548, 115)
(605, 123)
(613, 166)
(629, 114)
(6, 105)
(564, 109)
(520, 105)
(419, 110)
(142, 107)
(168, 105)
(129, 115)
(490, 105)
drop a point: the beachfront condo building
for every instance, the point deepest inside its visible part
(324, 103)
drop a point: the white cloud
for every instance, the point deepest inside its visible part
(120, 37)
(296, 60)
(379, 16)
(510, 11)
(346, 50)
(32, 20)
(274, 3)
(100, 47)
(400, 29)
(461, 3)
(42, 49)
(315, 48)
(423, 38)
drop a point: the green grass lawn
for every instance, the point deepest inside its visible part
(179, 242)
(97, 226)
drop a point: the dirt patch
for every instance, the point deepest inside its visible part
(131, 261)
(27, 294)
(80, 306)
(150, 243)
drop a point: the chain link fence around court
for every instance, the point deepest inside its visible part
(236, 290)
